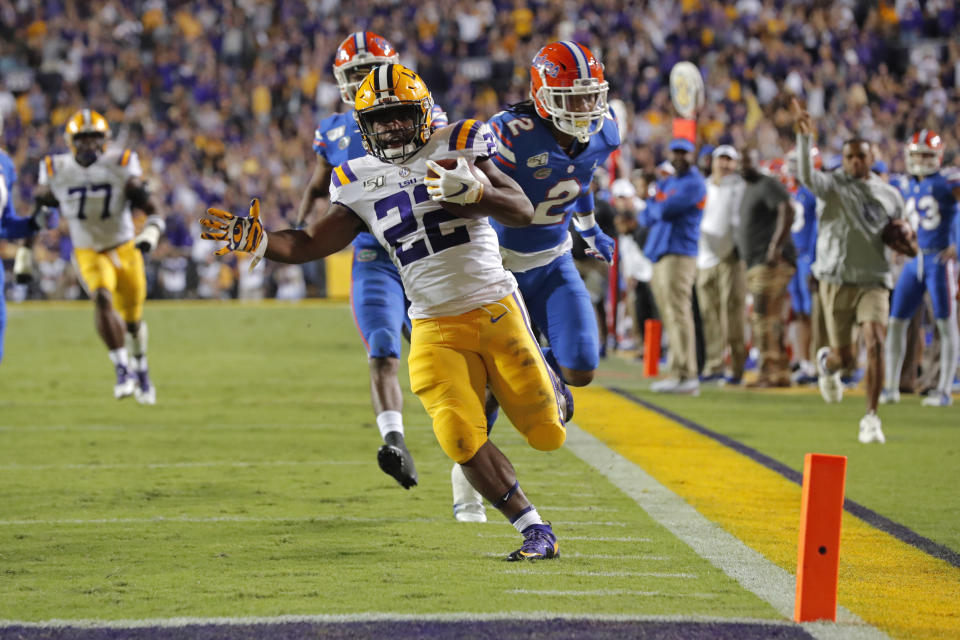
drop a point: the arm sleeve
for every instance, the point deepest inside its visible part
(584, 205)
(818, 182)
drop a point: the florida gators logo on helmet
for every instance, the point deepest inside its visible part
(568, 88)
(924, 153)
(356, 56)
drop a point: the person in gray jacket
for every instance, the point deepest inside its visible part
(851, 263)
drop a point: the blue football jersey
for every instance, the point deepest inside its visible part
(804, 229)
(557, 184)
(337, 138)
(931, 208)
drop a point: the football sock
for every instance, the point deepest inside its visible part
(896, 347)
(389, 421)
(119, 357)
(137, 346)
(949, 347)
(526, 518)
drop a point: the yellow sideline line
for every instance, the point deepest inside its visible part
(888, 583)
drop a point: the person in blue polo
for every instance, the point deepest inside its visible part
(673, 217)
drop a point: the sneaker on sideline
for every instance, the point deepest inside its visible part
(830, 386)
(870, 430)
(889, 396)
(937, 399)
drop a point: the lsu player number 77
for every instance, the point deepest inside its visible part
(469, 325)
(94, 186)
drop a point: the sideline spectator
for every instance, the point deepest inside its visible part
(636, 268)
(764, 242)
(721, 275)
(673, 217)
(851, 264)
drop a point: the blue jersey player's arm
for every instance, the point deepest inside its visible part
(318, 187)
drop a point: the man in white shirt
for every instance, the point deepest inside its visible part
(721, 277)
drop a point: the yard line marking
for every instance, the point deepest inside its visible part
(749, 568)
(565, 537)
(565, 523)
(168, 427)
(553, 508)
(606, 592)
(213, 519)
(180, 465)
(611, 574)
(600, 556)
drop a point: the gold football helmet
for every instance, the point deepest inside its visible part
(86, 135)
(393, 109)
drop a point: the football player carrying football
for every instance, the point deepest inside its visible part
(94, 187)
(931, 196)
(469, 325)
(376, 293)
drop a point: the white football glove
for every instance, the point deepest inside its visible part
(23, 265)
(152, 231)
(458, 185)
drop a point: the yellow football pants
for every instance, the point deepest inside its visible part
(453, 358)
(119, 271)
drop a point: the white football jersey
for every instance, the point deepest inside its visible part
(93, 199)
(449, 265)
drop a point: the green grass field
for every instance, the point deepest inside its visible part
(251, 488)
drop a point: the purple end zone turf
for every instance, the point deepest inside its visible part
(431, 630)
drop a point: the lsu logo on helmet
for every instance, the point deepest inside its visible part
(392, 93)
(360, 52)
(568, 88)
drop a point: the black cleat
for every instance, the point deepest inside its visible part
(396, 461)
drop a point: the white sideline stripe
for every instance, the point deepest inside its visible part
(380, 617)
(181, 465)
(610, 574)
(204, 520)
(572, 523)
(607, 592)
(749, 568)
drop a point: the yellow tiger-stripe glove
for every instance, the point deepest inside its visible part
(240, 234)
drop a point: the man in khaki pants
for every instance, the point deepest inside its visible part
(851, 265)
(764, 242)
(721, 275)
(673, 216)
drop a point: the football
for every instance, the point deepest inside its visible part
(446, 163)
(899, 236)
(472, 211)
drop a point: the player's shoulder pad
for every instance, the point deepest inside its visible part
(952, 176)
(611, 130)
(343, 175)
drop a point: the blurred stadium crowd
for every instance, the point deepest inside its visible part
(220, 99)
